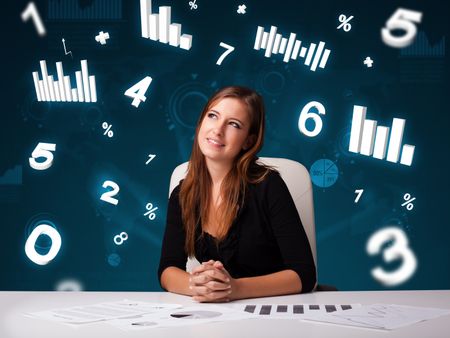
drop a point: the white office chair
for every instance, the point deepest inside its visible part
(297, 179)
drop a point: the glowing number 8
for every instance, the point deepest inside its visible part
(399, 249)
(33, 255)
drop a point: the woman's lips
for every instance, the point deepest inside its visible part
(214, 142)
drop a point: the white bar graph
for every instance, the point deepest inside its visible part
(158, 26)
(50, 90)
(316, 55)
(368, 139)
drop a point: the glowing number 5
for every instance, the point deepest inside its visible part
(107, 196)
(306, 114)
(402, 19)
(399, 249)
(42, 150)
(137, 91)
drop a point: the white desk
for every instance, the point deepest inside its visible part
(14, 324)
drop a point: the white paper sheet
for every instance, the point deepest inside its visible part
(381, 316)
(101, 311)
(191, 315)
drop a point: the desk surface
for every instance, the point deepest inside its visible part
(14, 324)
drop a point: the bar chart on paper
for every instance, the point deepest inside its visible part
(275, 43)
(157, 26)
(50, 90)
(368, 139)
(293, 311)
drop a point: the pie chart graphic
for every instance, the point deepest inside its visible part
(195, 314)
(324, 173)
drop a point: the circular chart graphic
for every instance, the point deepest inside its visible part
(324, 173)
(195, 314)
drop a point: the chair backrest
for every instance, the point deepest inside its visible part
(298, 181)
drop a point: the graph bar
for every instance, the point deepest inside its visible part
(41, 89)
(290, 45)
(67, 89)
(154, 27)
(273, 32)
(79, 86)
(146, 10)
(174, 34)
(36, 85)
(265, 38)
(74, 95)
(368, 137)
(51, 88)
(312, 48)
(303, 52)
(164, 22)
(59, 69)
(44, 74)
(317, 56)
(93, 88)
(407, 154)
(395, 142)
(186, 41)
(296, 49)
(258, 39)
(324, 60)
(283, 45)
(85, 75)
(56, 87)
(276, 44)
(359, 115)
(381, 141)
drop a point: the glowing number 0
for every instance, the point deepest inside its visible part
(137, 91)
(306, 114)
(399, 249)
(42, 150)
(402, 19)
(33, 255)
(107, 196)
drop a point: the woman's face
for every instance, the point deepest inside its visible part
(224, 131)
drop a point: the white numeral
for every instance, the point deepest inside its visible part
(137, 91)
(402, 19)
(398, 249)
(228, 48)
(42, 150)
(107, 196)
(31, 12)
(306, 114)
(30, 251)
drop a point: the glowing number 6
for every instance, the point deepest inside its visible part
(399, 249)
(306, 114)
(33, 255)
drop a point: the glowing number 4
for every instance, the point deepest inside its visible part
(402, 19)
(107, 196)
(228, 48)
(398, 249)
(306, 114)
(42, 150)
(137, 91)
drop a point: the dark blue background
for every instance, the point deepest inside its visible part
(414, 88)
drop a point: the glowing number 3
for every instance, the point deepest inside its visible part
(399, 249)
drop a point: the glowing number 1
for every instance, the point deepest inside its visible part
(137, 91)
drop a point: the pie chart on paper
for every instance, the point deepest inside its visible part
(195, 314)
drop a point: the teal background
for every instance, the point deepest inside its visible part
(411, 87)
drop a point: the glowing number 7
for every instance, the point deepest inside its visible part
(137, 91)
(229, 49)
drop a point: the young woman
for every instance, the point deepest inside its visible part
(235, 216)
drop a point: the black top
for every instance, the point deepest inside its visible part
(267, 236)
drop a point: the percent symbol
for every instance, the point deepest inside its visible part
(108, 130)
(409, 205)
(151, 211)
(345, 22)
(193, 4)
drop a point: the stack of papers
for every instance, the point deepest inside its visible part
(380, 316)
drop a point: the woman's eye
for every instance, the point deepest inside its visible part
(211, 115)
(236, 125)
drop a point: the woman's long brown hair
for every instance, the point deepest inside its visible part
(195, 191)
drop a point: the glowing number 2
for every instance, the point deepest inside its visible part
(137, 91)
(107, 196)
(399, 249)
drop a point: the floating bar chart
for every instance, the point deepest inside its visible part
(314, 55)
(158, 27)
(366, 138)
(50, 90)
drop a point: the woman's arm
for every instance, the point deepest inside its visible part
(175, 280)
